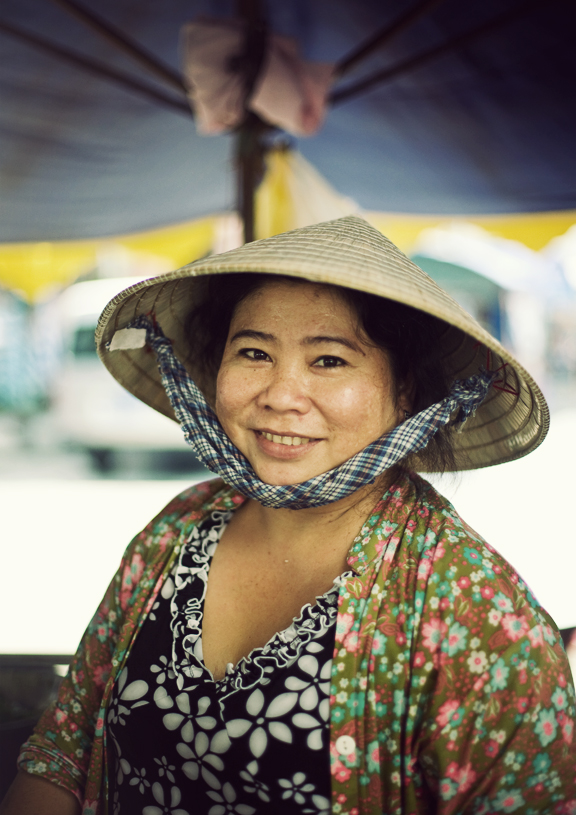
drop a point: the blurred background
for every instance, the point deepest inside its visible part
(132, 142)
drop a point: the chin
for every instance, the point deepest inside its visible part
(282, 481)
(285, 479)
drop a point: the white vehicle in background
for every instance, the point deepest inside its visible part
(91, 410)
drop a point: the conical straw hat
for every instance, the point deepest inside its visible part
(512, 421)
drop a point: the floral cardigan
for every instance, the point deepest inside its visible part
(451, 692)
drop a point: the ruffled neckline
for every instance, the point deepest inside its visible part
(190, 576)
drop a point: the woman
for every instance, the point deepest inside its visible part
(321, 631)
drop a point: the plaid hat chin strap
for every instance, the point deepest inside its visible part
(212, 446)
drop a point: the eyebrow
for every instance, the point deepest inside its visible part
(248, 333)
(340, 340)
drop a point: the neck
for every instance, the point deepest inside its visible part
(317, 528)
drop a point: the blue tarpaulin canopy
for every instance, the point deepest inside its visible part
(471, 110)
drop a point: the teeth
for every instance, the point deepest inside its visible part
(289, 440)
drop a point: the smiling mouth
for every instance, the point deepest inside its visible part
(290, 441)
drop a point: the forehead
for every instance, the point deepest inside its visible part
(297, 298)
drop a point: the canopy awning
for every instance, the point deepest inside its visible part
(460, 109)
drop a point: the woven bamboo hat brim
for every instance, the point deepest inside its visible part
(512, 421)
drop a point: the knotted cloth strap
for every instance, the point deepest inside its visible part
(206, 435)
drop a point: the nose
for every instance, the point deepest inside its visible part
(285, 390)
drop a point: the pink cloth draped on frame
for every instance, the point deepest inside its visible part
(289, 92)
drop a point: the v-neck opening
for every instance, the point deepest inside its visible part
(194, 564)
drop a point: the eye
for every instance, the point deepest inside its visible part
(330, 362)
(254, 354)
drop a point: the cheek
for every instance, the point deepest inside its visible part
(233, 394)
(225, 392)
(360, 406)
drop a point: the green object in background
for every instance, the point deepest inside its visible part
(83, 343)
(21, 381)
(482, 297)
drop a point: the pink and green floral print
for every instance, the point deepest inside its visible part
(451, 692)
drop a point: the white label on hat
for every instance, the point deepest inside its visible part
(345, 745)
(128, 339)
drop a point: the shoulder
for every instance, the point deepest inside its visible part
(449, 572)
(152, 551)
(433, 527)
(429, 509)
(467, 591)
(458, 550)
(414, 521)
(182, 513)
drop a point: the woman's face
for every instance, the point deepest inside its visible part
(300, 390)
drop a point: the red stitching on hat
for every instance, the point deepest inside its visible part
(505, 388)
(152, 316)
(499, 384)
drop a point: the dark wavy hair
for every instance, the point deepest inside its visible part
(412, 339)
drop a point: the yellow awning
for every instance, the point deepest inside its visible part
(534, 229)
(292, 194)
(32, 268)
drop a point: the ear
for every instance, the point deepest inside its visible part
(404, 397)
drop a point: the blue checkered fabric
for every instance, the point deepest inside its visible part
(206, 435)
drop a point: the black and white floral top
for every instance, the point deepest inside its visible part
(254, 742)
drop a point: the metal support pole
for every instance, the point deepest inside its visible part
(249, 144)
(250, 169)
